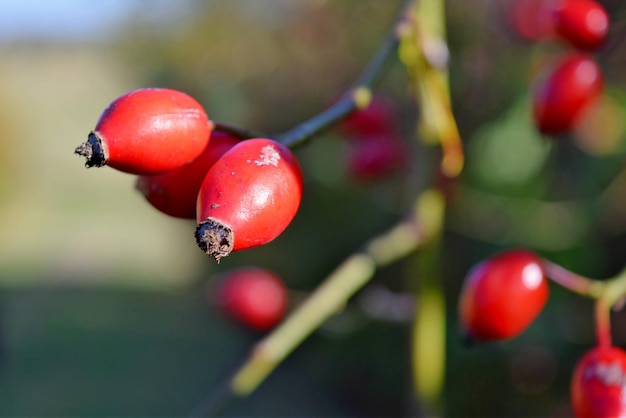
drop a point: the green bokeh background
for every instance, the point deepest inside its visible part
(104, 303)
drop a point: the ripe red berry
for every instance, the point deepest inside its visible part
(374, 156)
(248, 197)
(256, 297)
(377, 118)
(148, 131)
(582, 23)
(562, 98)
(502, 295)
(175, 192)
(598, 386)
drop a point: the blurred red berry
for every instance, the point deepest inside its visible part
(374, 156)
(582, 23)
(256, 297)
(560, 99)
(598, 387)
(531, 19)
(377, 118)
(248, 197)
(148, 131)
(175, 192)
(503, 295)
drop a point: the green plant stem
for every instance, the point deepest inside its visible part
(429, 327)
(421, 226)
(613, 291)
(572, 281)
(360, 93)
(603, 322)
(607, 294)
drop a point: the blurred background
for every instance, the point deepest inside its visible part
(104, 307)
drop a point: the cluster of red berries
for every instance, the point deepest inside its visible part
(375, 149)
(504, 294)
(574, 80)
(242, 193)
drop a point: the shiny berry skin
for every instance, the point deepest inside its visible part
(248, 197)
(582, 23)
(375, 156)
(255, 297)
(562, 97)
(148, 131)
(598, 387)
(175, 192)
(502, 295)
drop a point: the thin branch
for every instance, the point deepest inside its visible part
(422, 225)
(237, 131)
(574, 282)
(358, 96)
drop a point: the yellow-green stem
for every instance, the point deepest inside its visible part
(607, 294)
(329, 298)
(334, 292)
(429, 329)
(576, 283)
(420, 226)
(613, 290)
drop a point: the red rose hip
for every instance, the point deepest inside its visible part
(248, 197)
(561, 99)
(502, 295)
(582, 23)
(598, 387)
(375, 156)
(148, 131)
(530, 19)
(255, 297)
(175, 192)
(376, 119)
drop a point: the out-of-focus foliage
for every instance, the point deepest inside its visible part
(267, 65)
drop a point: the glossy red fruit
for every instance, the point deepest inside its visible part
(148, 131)
(256, 297)
(560, 99)
(502, 295)
(375, 156)
(175, 192)
(598, 386)
(248, 197)
(582, 23)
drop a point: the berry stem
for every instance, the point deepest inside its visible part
(613, 292)
(603, 322)
(607, 293)
(424, 52)
(428, 333)
(419, 228)
(238, 131)
(572, 281)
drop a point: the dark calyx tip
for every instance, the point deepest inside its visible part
(93, 150)
(214, 238)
